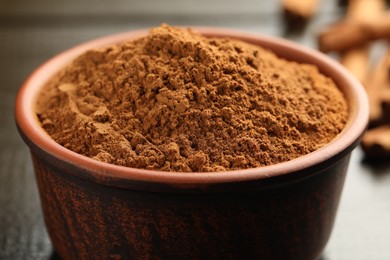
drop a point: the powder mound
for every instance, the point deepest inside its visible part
(177, 101)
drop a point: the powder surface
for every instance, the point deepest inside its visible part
(176, 101)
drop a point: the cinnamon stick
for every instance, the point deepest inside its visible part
(377, 85)
(356, 59)
(350, 33)
(298, 12)
(385, 105)
(376, 143)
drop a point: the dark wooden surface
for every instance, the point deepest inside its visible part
(33, 31)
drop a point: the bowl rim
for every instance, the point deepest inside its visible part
(114, 175)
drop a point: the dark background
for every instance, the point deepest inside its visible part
(33, 31)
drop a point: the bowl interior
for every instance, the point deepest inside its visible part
(88, 168)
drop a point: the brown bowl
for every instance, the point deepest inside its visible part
(283, 211)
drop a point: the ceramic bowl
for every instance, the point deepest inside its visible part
(96, 210)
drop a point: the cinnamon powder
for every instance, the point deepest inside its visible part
(176, 101)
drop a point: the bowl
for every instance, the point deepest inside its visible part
(283, 211)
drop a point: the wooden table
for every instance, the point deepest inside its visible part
(33, 31)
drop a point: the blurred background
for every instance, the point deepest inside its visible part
(31, 31)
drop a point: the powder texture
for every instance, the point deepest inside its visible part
(177, 101)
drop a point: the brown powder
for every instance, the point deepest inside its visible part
(176, 101)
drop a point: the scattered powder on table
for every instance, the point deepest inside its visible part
(176, 101)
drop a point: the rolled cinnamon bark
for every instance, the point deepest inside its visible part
(377, 85)
(376, 143)
(350, 33)
(385, 105)
(302, 8)
(298, 12)
(356, 59)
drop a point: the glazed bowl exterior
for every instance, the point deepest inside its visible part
(95, 210)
